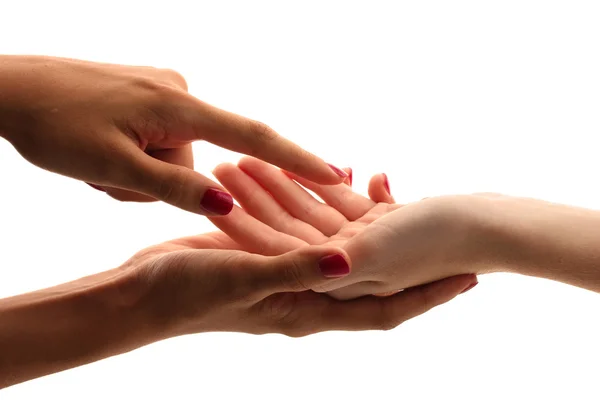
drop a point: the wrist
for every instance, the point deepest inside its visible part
(543, 239)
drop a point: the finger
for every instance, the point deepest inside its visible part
(178, 156)
(183, 155)
(178, 186)
(292, 197)
(384, 313)
(304, 269)
(211, 240)
(341, 197)
(348, 180)
(250, 137)
(261, 205)
(99, 188)
(379, 189)
(128, 196)
(255, 236)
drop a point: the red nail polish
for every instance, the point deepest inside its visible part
(471, 286)
(386, 184)
(349, 176)
(96, 187)
(334, 266)
(217, 202)
(338, 171)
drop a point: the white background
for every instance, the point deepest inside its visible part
(444, 96)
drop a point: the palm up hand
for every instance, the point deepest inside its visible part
(279, 215)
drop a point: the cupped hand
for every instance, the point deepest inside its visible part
(128, 131)
(279, 215)
(211, 283)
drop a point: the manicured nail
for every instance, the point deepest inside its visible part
(96, 187)
(386, 184)
(334, 266)
(217, 202)
(338, 171)
(471, 286)
(349, 178)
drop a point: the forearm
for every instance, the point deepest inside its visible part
(548, 240)
(19, 92)
(69, 325)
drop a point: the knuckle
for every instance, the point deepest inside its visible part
(171, 188)
(279, 311)
(176, 78)
(262, 132)
(292, 277)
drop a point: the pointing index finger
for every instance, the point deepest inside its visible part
(243, 135)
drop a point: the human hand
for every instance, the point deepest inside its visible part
(204, 283)
(278, 215)
(128, 131)
(209, 283)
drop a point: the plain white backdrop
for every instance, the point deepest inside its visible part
(443, 96)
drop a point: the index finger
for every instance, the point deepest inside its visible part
(243, 135)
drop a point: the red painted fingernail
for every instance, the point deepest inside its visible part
(471, 286)
(386, 184)
(334, 266)
(338, 171)
(96, 187)
(217, 202)
(349, 176)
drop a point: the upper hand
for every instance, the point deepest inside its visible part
(128, 131)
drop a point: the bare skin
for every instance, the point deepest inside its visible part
(394, 247)
(129, 131)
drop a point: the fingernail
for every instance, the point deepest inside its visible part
(349, 176)
(217, 202)
(338, 171)
(334, 266)
(96, 187)
(471, 286)
(386, 184)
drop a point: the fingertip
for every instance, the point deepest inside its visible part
(335, 265)
(338, 171)
(379, 189)
(223, 169)
(216, 202)
(348, 180)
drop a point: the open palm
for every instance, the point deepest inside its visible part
(279, 215)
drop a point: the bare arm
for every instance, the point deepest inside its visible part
(176, 289)
(69, 325)
(546, 240)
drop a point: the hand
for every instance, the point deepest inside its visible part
(195, 290)
(278, 215)
(197, 284)
(128, 131)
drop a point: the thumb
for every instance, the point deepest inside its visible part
(307, 268)
(182, 187)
